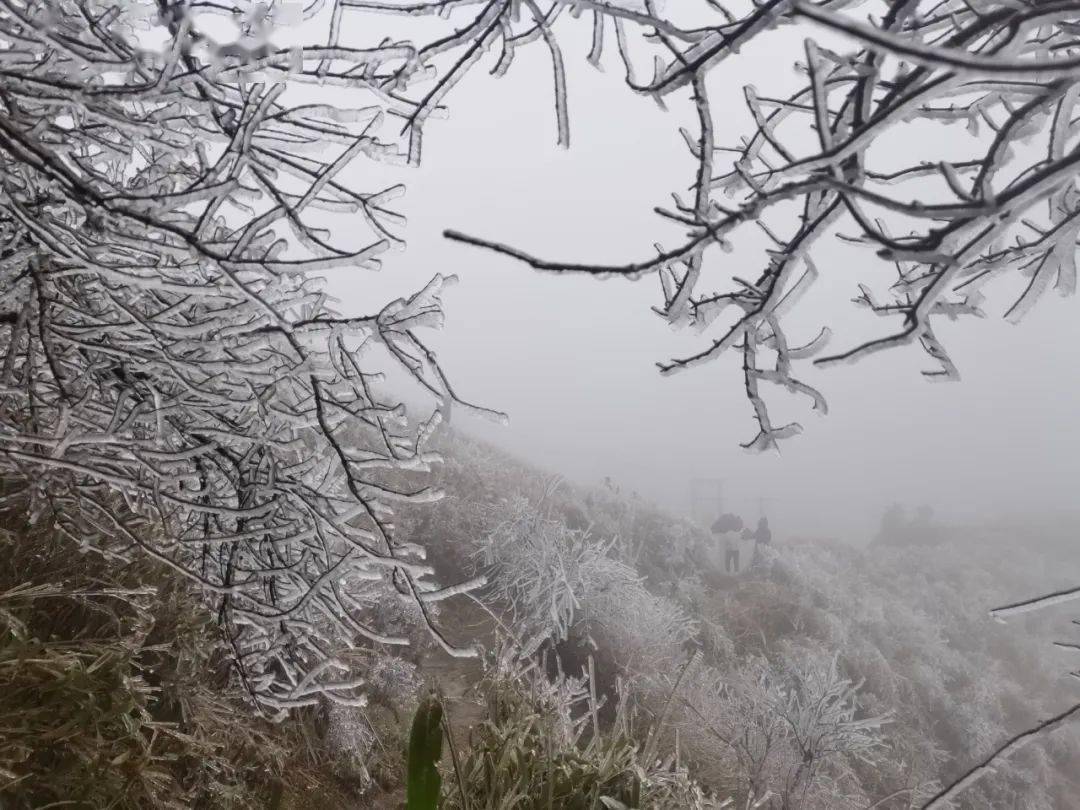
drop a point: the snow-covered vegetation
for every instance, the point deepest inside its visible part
(228, 575)
(890, 642)
(826, 676)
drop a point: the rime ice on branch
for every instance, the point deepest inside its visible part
(173, 382)
(1005, 207)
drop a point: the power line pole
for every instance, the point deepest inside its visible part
(706, 500)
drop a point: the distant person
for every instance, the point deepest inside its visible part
(763, 534)
(762, 537)
(728, 527)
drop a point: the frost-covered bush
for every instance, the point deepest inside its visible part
(542, 745)
(546, 573)
(364, 741)
(560, 582)
(786, 735)
(911, 624)
(114, 694)
(645, 633)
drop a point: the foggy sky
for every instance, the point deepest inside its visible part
(571, 359)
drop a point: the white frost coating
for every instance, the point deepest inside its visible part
(1005, 205)
(1038, 603)
(172, 379)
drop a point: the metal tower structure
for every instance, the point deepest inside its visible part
(706, 500)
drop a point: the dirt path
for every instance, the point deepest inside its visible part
(457, 678)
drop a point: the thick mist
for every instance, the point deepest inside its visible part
(571, 359)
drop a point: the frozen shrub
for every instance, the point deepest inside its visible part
(114, 695)
(542, 745)
(788, 735)
(546, 572)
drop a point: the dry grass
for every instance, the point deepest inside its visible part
(116, 695)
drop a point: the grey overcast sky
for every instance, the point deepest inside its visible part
(571, 359)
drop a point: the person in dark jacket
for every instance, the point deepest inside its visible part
(727, 527)
(763, 534)
(762, 537)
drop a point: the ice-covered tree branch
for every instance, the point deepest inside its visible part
(173, 382)
(995, 82)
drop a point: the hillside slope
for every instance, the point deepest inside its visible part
(822, 677)
(909, 624)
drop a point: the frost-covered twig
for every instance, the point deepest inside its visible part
(945, 797)
(1004, 204)
(174, 382)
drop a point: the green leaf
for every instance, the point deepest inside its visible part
(425, 751)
